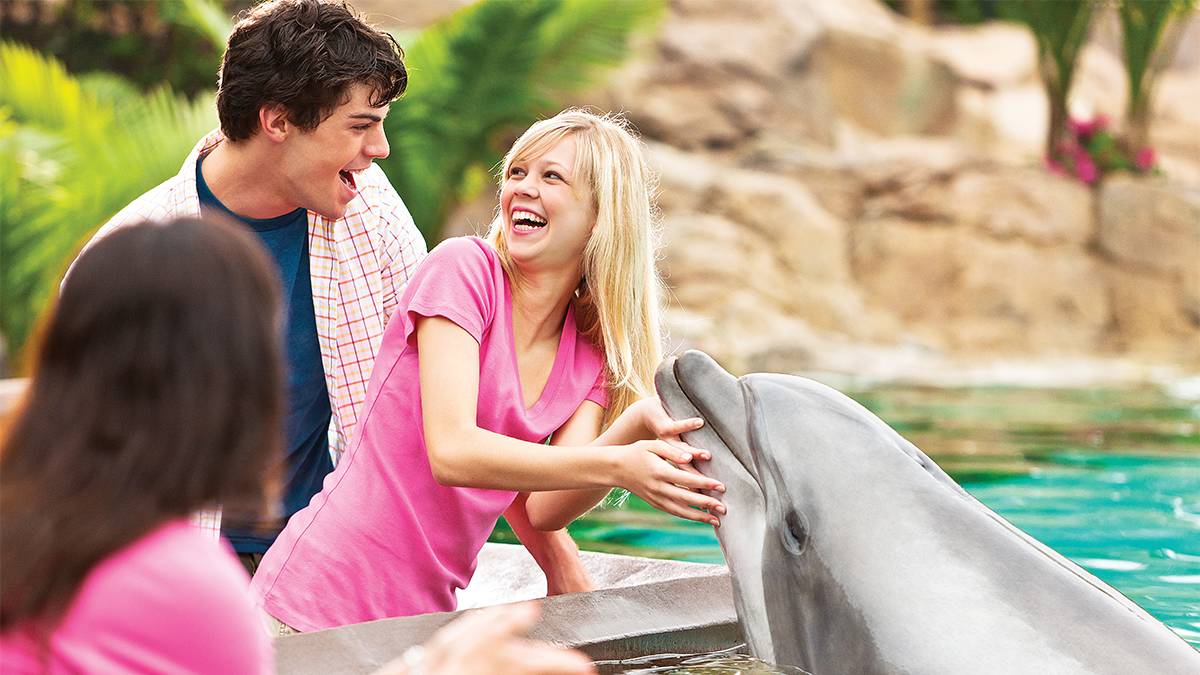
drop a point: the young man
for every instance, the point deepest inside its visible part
(304, 88)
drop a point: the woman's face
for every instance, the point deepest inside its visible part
(548, 214)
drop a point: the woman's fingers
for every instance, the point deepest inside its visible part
(690, 480)
(670, 427)
(663, 425)
(678, 453)
(677, 502)
(696, 499)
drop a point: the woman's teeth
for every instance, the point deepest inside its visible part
(526, 221)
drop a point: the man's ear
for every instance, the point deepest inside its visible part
(274, 123)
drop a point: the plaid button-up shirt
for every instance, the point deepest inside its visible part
(360, 264)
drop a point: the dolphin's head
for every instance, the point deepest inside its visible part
(695, 386)
(794, 456)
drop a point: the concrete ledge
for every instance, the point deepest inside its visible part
(645, 606)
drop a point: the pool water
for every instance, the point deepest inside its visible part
(1109, 478)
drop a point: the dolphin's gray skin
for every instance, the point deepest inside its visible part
(852, 552)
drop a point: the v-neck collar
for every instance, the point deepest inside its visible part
(564, 355)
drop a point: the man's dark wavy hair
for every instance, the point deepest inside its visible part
(303, 55)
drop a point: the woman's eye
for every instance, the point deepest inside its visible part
(516, 171)
(554, 175)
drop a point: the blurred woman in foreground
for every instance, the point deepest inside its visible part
(157, 391)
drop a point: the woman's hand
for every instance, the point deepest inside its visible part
(652, 470)
(569, 577)
(659, 424)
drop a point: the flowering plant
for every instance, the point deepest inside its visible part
(1089, 150)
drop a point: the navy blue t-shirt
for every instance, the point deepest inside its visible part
(308, 407)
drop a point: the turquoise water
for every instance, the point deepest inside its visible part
(1109, 478)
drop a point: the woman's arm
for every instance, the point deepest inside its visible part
(554, 551)
(461, 453)
(643, 420)
(555, 509)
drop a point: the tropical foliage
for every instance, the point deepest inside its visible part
(1149, 34)
(1060, 29)
(149, 43)
(75, 149)
(1148, 41)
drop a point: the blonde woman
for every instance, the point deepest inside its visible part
(548, 329)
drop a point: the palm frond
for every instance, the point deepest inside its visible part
(71, 175)
(1143, 24)
(202, 16)
(26, 79)
(584, 37)
(468, 77)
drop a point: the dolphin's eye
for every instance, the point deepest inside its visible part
(795, 535)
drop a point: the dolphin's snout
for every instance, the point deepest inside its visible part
(694, 384)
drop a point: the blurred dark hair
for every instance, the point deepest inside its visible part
(157, 391)
(303, 55)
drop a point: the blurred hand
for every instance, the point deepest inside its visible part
(491, 641)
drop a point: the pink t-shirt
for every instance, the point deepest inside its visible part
(170, 602)
(383, 538)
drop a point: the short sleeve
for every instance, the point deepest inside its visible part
(599, 391)
(458, 280)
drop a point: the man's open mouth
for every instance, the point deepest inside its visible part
(347, 179)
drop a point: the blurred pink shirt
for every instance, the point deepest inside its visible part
(384, 538)
(170, 602)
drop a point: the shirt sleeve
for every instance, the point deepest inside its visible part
(599, 391)
(458, 281)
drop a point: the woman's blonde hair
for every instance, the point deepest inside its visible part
(617, 304)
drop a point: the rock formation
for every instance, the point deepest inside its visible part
(843, 189)
(836, 178)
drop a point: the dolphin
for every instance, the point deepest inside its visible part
(852, 552)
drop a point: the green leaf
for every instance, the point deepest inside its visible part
(76, 158)
(205, 17)
(1143, 23)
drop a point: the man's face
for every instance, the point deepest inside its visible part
(319, 167)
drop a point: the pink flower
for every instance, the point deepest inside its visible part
(1144, 160)
(1055, 167)
(1085, 169)
(1081, 129)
